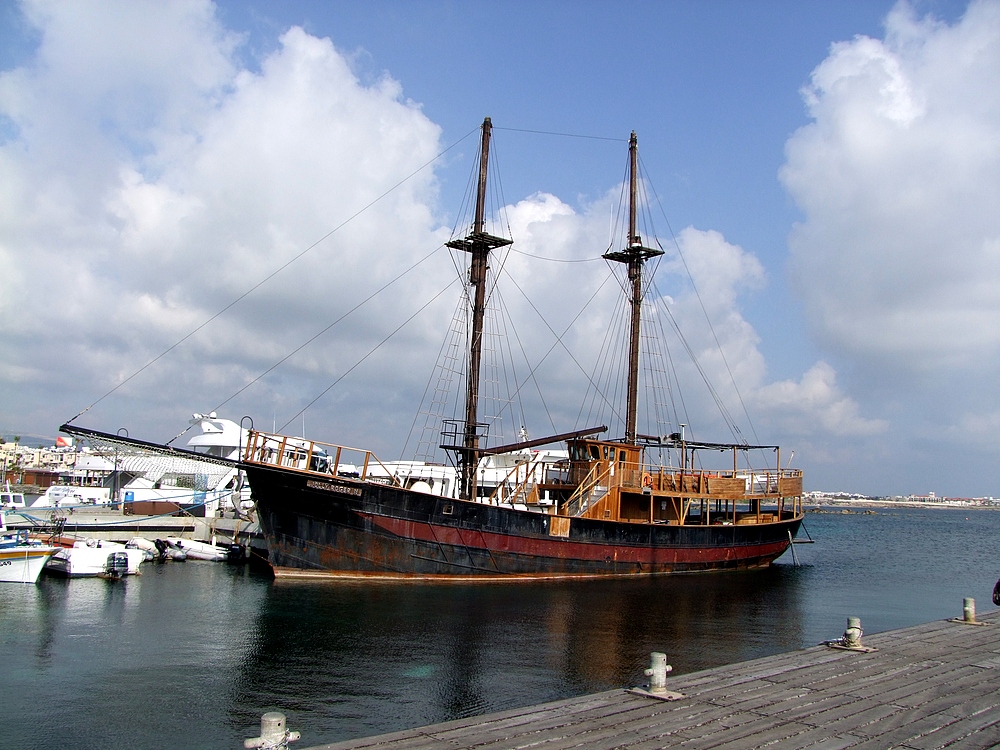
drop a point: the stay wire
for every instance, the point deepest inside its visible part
(437, 370)
(371, 352)
(559, 338)
(274, 273)
(704, 311)
(723, 410)
(295, 351)
(563, 135)
(531, 372)
(556, 260)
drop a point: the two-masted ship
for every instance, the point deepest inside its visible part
(609, 508)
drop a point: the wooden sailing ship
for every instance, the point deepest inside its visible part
(608, 509)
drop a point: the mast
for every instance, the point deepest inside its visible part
(634, 255)
(479, 244)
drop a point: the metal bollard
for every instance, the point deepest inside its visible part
(969, 609)
(852, 636)
(273, 733)
(657, 672)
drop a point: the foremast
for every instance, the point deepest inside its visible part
(634, 256)
(478, 244)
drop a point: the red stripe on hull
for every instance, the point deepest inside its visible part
(561, 548)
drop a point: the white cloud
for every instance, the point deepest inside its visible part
(706, 309)
(815, 406)
(152, 180)
(898, 256)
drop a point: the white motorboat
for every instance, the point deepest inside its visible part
(90, 558)
(72, 496)
(21, 559)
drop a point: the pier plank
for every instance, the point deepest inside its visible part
(931, 686)
(956, 730)
(988, 736)
(803, 709)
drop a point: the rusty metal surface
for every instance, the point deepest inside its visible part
(358, 528)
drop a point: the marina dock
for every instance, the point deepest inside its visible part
(111, 525)
(929, 686)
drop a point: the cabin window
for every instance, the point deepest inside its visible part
(447, 509)
(595, 452)
(621, 456)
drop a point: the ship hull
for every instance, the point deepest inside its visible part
(317, 527)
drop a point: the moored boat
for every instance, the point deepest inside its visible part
(89, 557)
(157, 550)
(10, 500)
(194, 550)
(21, 558)
(611, 507)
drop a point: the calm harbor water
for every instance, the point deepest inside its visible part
(190, 654)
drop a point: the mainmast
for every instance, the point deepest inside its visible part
(634, 255)
(478, 244)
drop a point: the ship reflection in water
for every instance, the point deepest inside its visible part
(358, 660)
(189, 655)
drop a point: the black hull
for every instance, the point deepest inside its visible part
(318, 526)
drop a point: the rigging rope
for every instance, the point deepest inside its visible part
(563, 135)
(694, 286)
(371, 352)
(274, 273)
(557, 260)
(559, 337)
(530, 376)
(302, 346)
(734, 428)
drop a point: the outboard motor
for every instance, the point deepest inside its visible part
(235, 553)
(117, 565)
(161, 548)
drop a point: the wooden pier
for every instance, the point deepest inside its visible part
(924, 687)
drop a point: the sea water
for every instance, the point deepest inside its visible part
(191, 654)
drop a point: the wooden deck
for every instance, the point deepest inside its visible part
(930, 686)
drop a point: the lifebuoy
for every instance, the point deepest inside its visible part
(647, 481)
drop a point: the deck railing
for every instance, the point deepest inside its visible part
(312, 457)
(750, 483)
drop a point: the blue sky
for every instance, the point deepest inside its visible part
(828, 168)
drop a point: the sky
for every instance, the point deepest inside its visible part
(190, 192)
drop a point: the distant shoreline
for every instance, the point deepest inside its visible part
(869, 503)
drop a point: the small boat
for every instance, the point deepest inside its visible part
(170, 551)
(89, 557)
(21, 559)
(199, 550)
(157, 550)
